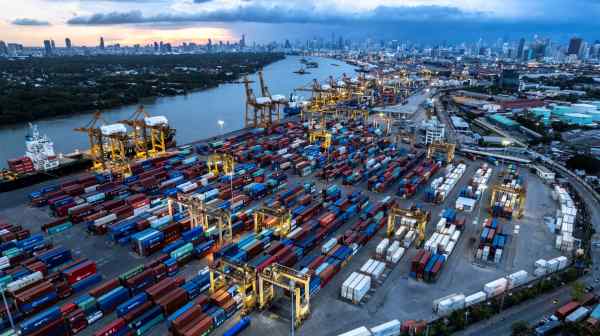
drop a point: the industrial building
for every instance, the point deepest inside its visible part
(503, 121)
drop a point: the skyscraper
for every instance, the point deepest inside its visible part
(243, 41)
(520, 48)
(574, 46)
(68, 43)
(47, 47)
(3, 48)
(52, 44)
(101, 42)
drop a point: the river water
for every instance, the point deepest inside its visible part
(195, 115)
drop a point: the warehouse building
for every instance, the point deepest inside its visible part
(503, 121)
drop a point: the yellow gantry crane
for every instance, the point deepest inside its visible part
(279, 219)
(139, 135)
(518, 196)
(109, 145)
(278, 276)
(96, 142)
(221, 163)
(224, 273)
(321, 134)
(436, 148)
(411, 216)
(203, 215)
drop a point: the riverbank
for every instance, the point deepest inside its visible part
(38, 88)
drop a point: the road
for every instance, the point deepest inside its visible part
(530, 311)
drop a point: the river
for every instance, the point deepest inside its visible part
(194, 115)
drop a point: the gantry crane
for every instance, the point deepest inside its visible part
(224, 273)
(321, 134)
(221, 163)
(96, 142)
(203, 215)
(518, 194)
(412, 215)
(436, 148)
(280, 219)
(298, 284)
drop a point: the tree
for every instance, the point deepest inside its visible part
(577, 290)
(520, 328)
(457, 320)
(588, 163)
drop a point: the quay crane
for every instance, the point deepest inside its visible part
(151, 135)
(96, 142)
(278, 101)
(109, 145)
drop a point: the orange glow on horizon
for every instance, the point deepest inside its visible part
(125, 35)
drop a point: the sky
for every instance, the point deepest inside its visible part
(431, 21)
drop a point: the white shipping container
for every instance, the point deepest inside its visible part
(495, 287)
(382, 246)
(475, 298)
(517, 279)
(391, 328)
(362, 331)
(24, 281)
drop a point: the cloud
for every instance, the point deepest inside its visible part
(30, 22)
(286, 14)
(202, 1)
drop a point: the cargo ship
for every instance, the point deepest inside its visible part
(39, 163)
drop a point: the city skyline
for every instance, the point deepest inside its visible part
(129, 22)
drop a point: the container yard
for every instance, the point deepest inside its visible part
(196, 239)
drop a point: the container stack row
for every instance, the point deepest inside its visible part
(492, 241)
(472, 193)
(417, 177)
(441, 187)
(565, 220)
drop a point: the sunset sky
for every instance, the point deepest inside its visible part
(142, 21)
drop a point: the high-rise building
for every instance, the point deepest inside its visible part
(68, 43)
(47, 47)
(520, 48)
(3, 48)
(574, 46)
(287, 45)
(101, 42)
(243, 41)
(53, 44)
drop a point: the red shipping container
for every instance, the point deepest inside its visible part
(111, 328)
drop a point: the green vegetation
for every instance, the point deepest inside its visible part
(577, 290)
(584, 162)
(520, 328)
(51, 86)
